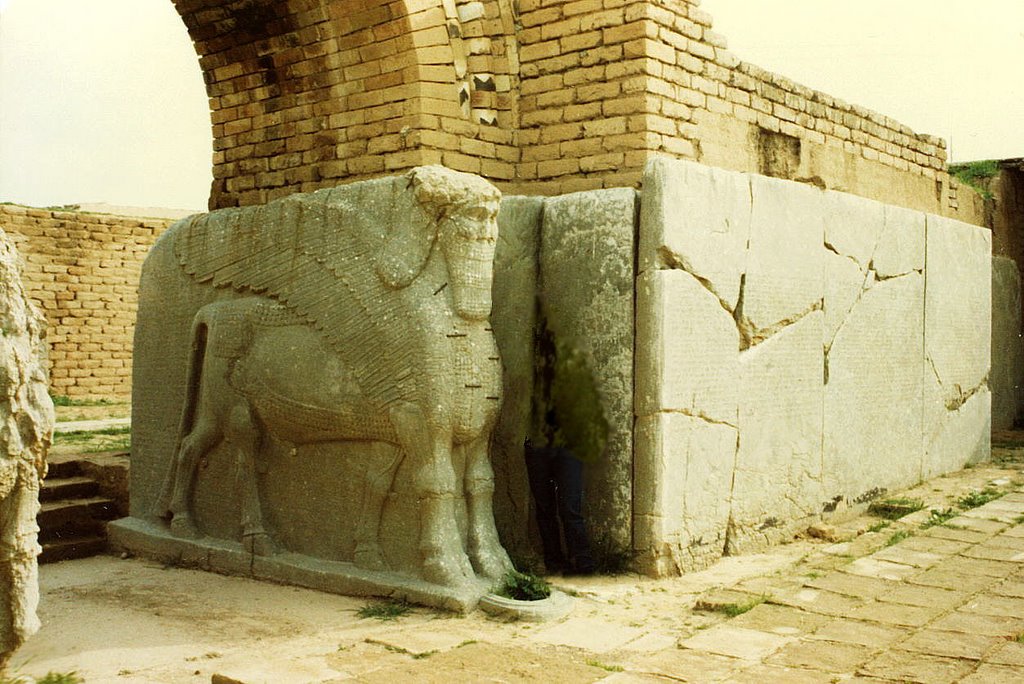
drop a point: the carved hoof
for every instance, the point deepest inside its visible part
(182, 526)
(448, 572)
(493, 563)
(259, 544)
(369, 557)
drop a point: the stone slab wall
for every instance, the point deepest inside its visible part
(1007, 380)
(82, 271)
(799, 352)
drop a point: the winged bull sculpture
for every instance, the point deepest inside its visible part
(344, 317)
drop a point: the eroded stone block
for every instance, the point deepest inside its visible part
(901, 245)
(778, 475)
(852, 226)
(1007, 376)
(586, 284)
(872, 411)
(785, 258)
(684, 473)
(696, 218)
(687, 361)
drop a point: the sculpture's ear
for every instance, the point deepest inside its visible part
(405, 251)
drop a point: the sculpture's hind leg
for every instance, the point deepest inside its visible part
(204, 436)
(485, 550)
(243, 435)
(380, 476)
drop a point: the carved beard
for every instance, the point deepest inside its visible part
(470, 272)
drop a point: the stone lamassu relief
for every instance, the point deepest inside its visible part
(352, 322)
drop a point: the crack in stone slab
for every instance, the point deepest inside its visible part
(882, 279)
(961, 398)
(751, 335)
(830, 247)
(677, 262)
(700, 415)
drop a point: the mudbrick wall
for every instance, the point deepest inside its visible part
(82, 271)
(540, 96)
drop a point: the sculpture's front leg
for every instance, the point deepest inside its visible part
(485, 550)
(444, 561)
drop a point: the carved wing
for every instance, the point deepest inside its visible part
(316, 254)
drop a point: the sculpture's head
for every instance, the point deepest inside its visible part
(462, 212)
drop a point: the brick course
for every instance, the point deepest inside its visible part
(82, 271)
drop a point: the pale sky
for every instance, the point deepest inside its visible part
(103, 101)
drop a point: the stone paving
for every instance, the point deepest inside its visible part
(935, 596)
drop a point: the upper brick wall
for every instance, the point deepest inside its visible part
(540, 96)
(82, 271)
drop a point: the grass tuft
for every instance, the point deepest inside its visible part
(897, 537)
(939, 517)
(384, 610)
(975, 499)
(605, 666)
(522, 586)
(894, 509)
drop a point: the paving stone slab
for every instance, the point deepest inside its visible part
(936, 545)
(748, 644)
(857, 585)
(883, 569)
(823, 602)
(995, 552)
(1010, 587)
(975, 623)
(955, 534)
(916, 667)
(995, 605)
(978, 566)
(951, 644)
(651, 642)
(783, 620)
(823, 655)
(993, 674)
(904, 556)
(677, 661)
(1005, 540)
(952, 579)
(759, 674)
(897, 614)
(977, 524)
(1007, 653)
(916, 595)
(993, 514)
(421, 640)
(589, 634)
(861, 633)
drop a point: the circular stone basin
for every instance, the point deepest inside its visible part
(553, 607)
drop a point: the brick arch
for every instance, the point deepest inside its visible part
(307, 93)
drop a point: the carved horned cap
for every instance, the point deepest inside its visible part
(443, 192)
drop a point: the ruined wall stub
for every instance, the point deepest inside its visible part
(539, 96)
(799, 352)
(26, 414)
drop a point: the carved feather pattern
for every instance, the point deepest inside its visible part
(315, 254)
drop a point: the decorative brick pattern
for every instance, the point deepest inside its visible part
(82, 271)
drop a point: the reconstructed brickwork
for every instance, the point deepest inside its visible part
(540, 96)
(82, 271)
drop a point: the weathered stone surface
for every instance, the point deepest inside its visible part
(780, 390)
(696, 218)
(901, 245)
(1007, 376)
(958, 314)
(683, 477)
(852, 226)
(872, 395)
(344, 413)
(26, 428)
(785, 259)
(586, 293)
(514, 319)
(689, 359)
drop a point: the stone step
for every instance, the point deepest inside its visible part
(76, 487)
(54, 515)
(63, 466)
(76, 547)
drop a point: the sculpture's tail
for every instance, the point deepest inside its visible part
(198, 337)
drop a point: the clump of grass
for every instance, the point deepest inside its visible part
(938, 517)
(898, 536)
(975, 499)
(973, 174)
(49, 678)
(384, 610)
(522, 586)
(61, 400)
(879, 526)
(105, 439)
(894, 509)
(1019, 638)
(605, 666)
(733, 609)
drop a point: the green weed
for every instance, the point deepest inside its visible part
(49, 678)
(897, 537)
(973, 174)
(879, 526)
(604, 666)
(384, 610)
(938, 517)
(894, 509)
(975, 499)
(522, 586)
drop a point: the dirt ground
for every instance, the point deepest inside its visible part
(131, 620)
